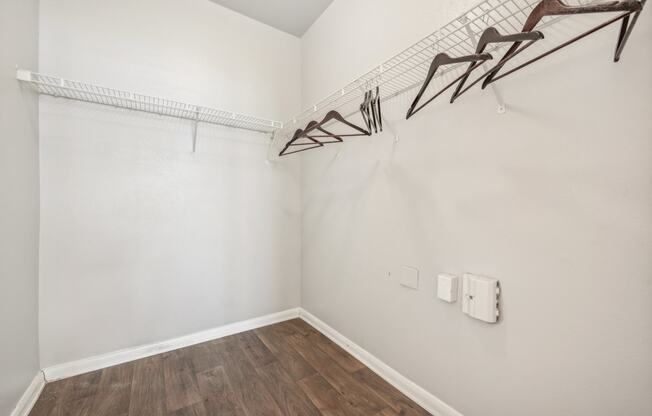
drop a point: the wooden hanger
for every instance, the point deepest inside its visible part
(313, 125)
(298, 135)
(374, 109)
(371, 112)
(559, 8)
(307, 133)
(489, 36)
(374, 112)
(364, 110)
(335, 116)
(442, 59)
(378, 111)
(314, 143)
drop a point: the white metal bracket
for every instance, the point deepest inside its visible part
(272, 136)
(499, 97)
(23, 75)
(195, 126)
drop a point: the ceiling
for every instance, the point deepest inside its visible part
(291, 16)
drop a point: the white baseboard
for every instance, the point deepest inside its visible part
(87, 365)
(423, 398)
(28, 399)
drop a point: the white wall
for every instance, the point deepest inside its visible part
(554, 198)
(19, 203)
(142, 240)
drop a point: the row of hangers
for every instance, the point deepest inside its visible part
(629, 11)
(371, 111)
(313, 135)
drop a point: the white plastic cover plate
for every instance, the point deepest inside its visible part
(410, 277)
(480, 297)
(447, 287)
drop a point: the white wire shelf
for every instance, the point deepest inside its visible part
(407, 70)
(82, 91)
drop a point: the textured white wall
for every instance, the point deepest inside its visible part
(143, 240)
(554, 198)
(19, 203)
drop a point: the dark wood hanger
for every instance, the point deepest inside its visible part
(371, 112)
(313, 125)
(307, 133)
(335, 116)
(626, 29)
(374, 112)
(314, 143)
(364, 110)
(293, 142)
(380, 114)
(442, 59)
(489, 36)
(559, 8)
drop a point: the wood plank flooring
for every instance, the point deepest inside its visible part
(287, 369)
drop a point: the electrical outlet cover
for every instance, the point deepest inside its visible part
(480, 297)
(447, 287)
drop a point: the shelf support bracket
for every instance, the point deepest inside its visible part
(474, 41)
(272, 137)
(195, 125)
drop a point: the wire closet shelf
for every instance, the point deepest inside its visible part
(82, 91)
(407, 70)
(402, 73)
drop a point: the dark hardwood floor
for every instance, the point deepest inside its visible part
(284, 369)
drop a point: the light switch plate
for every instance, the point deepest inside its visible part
(410, 277)
(480, 297)
(447, 287)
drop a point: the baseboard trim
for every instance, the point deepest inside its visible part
(28, 399)
(420, 396)
(87, 365)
